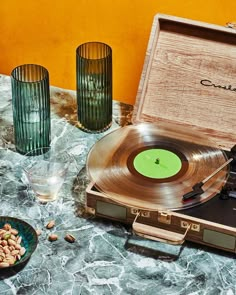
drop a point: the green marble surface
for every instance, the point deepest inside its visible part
(106, 257)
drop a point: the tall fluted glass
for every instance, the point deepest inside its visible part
(31, 107)
(94, 86)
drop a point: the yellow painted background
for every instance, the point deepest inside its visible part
(47, 32)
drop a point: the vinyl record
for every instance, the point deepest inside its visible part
(151, 166)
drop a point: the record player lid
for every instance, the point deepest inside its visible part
(189, 78)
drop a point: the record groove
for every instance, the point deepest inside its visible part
(110, 165)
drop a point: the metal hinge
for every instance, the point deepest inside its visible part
(231, 25)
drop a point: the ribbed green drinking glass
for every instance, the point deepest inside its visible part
(94, 86)
(31, 107)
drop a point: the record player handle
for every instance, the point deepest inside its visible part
(159, 234)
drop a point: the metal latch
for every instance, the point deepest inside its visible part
(164, 217)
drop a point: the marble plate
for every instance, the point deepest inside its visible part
(28, 234)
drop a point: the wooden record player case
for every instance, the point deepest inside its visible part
(188, 79)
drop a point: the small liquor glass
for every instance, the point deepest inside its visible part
(46, 169)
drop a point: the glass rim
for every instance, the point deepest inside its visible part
(45, 72)
(34, 157)
(94, 42)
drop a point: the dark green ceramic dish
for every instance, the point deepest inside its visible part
(28, 234)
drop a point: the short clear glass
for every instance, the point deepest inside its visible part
(46, 169)
(94, 86)
(31, 107)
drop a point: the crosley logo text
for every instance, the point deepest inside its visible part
(210, 84)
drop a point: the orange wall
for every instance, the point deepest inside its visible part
(47, 32)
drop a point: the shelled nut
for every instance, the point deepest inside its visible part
(52, 237)
(50, 224)
(38, 232)
(10, 246)
(69, 238)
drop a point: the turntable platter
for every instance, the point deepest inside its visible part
(151, 166)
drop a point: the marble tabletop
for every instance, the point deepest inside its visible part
(106, 257)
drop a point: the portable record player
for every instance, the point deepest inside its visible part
(172, 173)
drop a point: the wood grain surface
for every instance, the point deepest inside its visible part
(189, 78)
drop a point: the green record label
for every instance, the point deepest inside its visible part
(157, 163)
